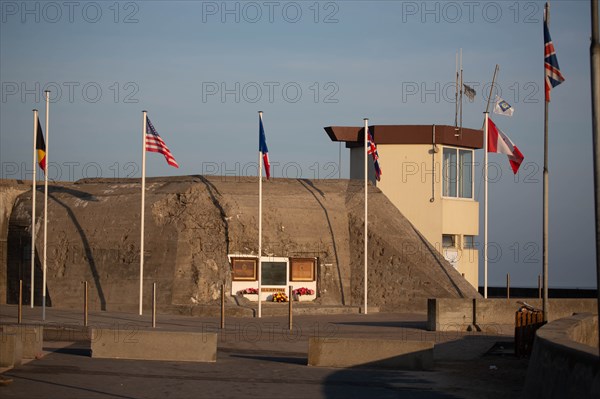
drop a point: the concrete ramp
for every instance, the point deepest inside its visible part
(154, 345)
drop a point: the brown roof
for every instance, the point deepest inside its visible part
(407, 134)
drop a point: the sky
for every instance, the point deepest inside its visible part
(203, 69)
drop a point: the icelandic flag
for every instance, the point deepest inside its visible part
(500, 143)
(502, 107)
(262, 146)
(372, 149)
(553, 75)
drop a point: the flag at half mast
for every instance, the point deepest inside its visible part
(40, 147)
(154, 143)
(502, 107)
(500, 143)
(372, 149)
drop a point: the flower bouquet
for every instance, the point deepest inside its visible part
(280, 297)
(299, 292)
(249, 293)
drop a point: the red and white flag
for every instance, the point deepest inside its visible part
(154, 143)
(500, 143)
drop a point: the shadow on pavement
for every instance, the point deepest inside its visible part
(358, 382)
(419, 325)
(82, 390)
(278, 359)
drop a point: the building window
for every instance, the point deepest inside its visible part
(469, 242)
(458, 173)
(449, 241)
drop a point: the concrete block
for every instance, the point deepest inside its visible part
(31, 336)
(370, 353)
(11, 349)
(66, 333)
(154, 345)
(451, 314)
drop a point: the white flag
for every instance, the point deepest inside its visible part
(503, 108)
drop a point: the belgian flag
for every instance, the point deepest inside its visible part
(40, 146)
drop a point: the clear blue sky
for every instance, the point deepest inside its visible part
(204, 69)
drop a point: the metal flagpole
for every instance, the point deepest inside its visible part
(461, 92)
(456, 97)
(545, 200)
(340, 161)
(47, 92)
(595, 72)
(144, 127)
(487, 108)
(260, 154)
(366, 239)
(485, 190)
(485, 205)
(33, 192)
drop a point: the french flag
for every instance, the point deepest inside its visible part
(262, 146)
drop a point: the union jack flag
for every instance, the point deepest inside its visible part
(154, 143)
(372, 149)
(553, 75)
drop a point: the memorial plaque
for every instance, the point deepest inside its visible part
(244, 269)
(274, 273)
(302, 269)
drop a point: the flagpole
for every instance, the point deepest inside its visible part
(461, 92)
(545, 195)
(366, 239)
(340, 160)
(142, 212)
(595, 78)
(44, 269)
(260, 154)
(34, 189)
(485, 205)
(456, 96)
(487, 107)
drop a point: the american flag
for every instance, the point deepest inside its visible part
(262, 146)
(553, 75)
(154, 143)
(372, 149)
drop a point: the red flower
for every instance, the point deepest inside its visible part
(303, 291)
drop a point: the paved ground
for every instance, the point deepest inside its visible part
(262, 357)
